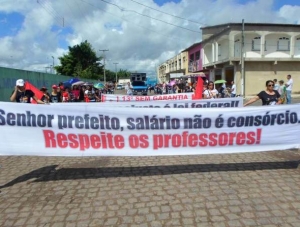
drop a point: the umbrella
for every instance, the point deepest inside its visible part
(78, 83)
(73, 80)
(88, 84)
(99, 85)
(66, 84)
(220, 81)
(69, 82)
(172, 83)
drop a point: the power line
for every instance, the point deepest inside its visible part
(124, 9)
(168, 13)
(49, 9)
(146, 28)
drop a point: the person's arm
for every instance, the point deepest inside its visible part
(278, 98)
(252, 100)
(38, 100)
(14, 95)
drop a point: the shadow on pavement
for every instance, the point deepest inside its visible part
(41, 172)
(49, 173)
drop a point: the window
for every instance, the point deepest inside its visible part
(179, 63)
(191, 57)
(256, 43)
(198, 55)
(219, 50)
(283, 44)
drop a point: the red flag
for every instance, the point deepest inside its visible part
(36, 91)
(199, 89)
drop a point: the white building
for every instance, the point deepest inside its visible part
(270, 51)
(177, 64)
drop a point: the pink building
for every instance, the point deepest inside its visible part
(195, 60)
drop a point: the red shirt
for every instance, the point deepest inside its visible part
(75, 93)
(65, 96)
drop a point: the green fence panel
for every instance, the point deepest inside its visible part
(9, 76)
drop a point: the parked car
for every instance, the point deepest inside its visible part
(119, 87)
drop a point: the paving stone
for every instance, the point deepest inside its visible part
(246, 189)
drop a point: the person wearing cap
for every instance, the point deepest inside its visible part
(55, 96)
(23, 95)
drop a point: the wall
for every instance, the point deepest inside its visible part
(297, 48)
(257, 73)
(9, 76)
(271, 47)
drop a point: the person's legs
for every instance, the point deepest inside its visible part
(288, 97)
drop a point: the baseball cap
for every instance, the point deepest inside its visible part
(54, 86)
(20, 82)
(43, 89)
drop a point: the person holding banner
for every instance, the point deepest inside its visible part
(268, 97)
(210, 92)
(23, 95)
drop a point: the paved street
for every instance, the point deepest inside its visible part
(246, 189)
(249, 189)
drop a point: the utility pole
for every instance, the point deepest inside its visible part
(53, 65)
(104, 65)
(243, 59)
(116, 72)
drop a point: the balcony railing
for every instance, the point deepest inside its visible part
(194, 66)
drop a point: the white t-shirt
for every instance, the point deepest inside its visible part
(290, 85)
(233, 89)
(90, 95)
(128, 89)
(210, 93)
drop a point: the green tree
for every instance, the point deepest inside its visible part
(123, 74)
(80, 61)
(111, 75)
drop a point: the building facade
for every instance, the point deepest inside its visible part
(270, 51)
(177, 64)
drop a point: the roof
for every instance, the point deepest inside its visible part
(215, 35)
(190, 47)
(252, 24)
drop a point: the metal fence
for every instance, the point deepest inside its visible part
(9, 76)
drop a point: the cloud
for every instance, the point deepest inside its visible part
(137, 43)
(290, 13)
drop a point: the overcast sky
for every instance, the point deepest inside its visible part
(138, 38)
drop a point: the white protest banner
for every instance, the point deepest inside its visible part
(200, 103)
(66, 130)
(134, 98)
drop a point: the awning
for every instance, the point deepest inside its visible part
(176, 75)
(198, 74)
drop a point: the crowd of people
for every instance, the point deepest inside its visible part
(60, 93)
(210, 90)
(275, 93)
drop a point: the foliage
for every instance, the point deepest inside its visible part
(80, 61)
